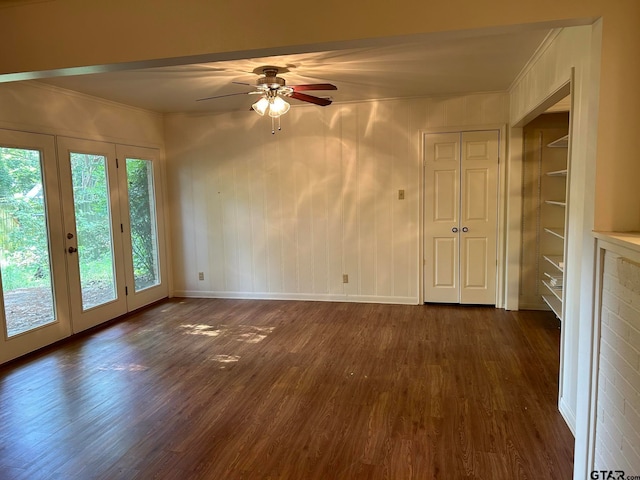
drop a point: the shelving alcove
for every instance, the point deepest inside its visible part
(554, 267)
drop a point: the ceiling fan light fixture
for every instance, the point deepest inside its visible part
(278, 107)
(261, 106)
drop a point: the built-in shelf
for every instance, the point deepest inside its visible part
(562, 142)
(554, 191)
(558, 232)
(557, 291)
(556, 202)
(555, 260)
(554, 304)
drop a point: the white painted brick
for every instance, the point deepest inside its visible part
(615, 397)
(603, 458)
(618, 404)
(603, 450)
(611, 302)
(631, 313)
(628, 387)
(631, 464)
(611, 264)
(618, 325)
(606, 440)
(622, 347)
(609, 283)
(628, 273)
(605, 371)
(613, 404)
(632, 436)
(634, 337)
(635, 300)
(632, 422)
(617, 362)
(624, 294)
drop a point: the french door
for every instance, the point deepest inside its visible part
(35, 307)
(114, 252)
(460, 217)
(80, 236)
(93, 237)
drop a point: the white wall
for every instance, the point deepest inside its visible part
(286, 215)
(572, 55)
(40, 108)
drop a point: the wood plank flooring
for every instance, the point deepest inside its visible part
(242, 389)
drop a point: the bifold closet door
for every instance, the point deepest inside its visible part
(460, 217)
(478, 217)
(442, 218)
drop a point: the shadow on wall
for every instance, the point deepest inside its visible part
(292, 212)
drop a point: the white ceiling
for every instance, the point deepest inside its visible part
(431, 65)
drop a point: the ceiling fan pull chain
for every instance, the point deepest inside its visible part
(273, 130)
(279, 126)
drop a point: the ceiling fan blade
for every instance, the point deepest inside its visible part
(313, 86)
(221, 96)
(245, 83)
(323, 102)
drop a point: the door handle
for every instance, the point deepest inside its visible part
(72, 249)
(454, 229)
(69, 236)
(465, 229)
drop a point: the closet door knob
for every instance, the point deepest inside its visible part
(454, 229)
(465, 229)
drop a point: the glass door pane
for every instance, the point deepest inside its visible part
(142, 217)
(25, 261)
(93, 228)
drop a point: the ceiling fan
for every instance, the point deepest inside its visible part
(273, 88)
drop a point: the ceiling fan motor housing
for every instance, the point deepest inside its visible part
(270, 79)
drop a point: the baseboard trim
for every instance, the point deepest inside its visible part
(297, 296)
(533, 306)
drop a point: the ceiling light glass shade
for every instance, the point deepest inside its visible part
(261, 106)
(278, 107)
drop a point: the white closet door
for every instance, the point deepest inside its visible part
(460, 222)
(478, 219)
(442, 207)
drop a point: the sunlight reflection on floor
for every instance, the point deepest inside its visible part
(225, 358)
(131, 367)
(242, 333)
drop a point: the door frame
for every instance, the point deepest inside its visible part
(501, 240)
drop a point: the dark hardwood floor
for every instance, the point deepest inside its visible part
(238, 389)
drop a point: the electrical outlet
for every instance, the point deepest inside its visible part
(200, 275)
(400, 194)
(345, 278)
